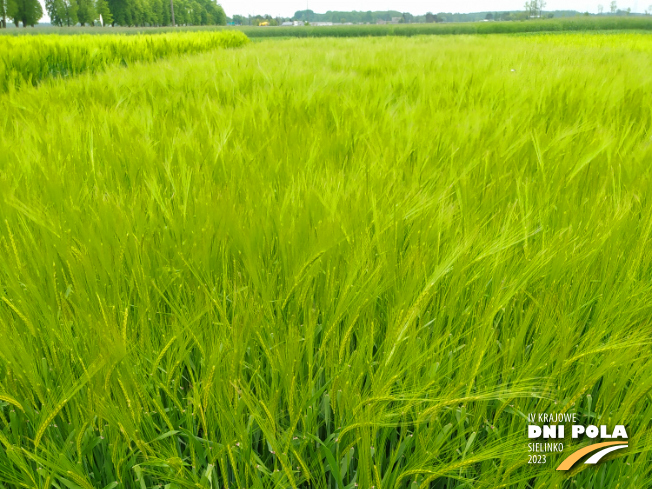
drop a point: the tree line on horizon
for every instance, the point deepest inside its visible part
(532, 9)
(373, 17)
(126, 13)
(160, 13)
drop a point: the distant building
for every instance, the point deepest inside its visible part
(396, 20)
(286, 23)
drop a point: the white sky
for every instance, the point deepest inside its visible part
(286, 8)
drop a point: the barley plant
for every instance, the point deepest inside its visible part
(326, 263)
(28, 60)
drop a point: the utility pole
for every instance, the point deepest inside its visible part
(172, 11)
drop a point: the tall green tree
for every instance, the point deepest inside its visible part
(103, 12)
(62, 12)
(218, 16)
(140, 12)
(209, 12)
(165, 12)
(119, 10)
(156, 13)
(27, 12)
(86, 13)
(3, 14)
(180, 12)
(133, 12)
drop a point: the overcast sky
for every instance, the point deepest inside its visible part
(286, 8)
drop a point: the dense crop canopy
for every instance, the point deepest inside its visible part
(322, 263)
(26, 60)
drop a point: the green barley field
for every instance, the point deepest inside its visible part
(325, 263)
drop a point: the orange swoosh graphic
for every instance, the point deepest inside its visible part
(574, 457)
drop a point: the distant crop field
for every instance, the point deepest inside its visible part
(326, 263)
(563, 24)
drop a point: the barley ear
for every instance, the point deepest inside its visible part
(47, 421)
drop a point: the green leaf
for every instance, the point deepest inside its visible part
(165, 435)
